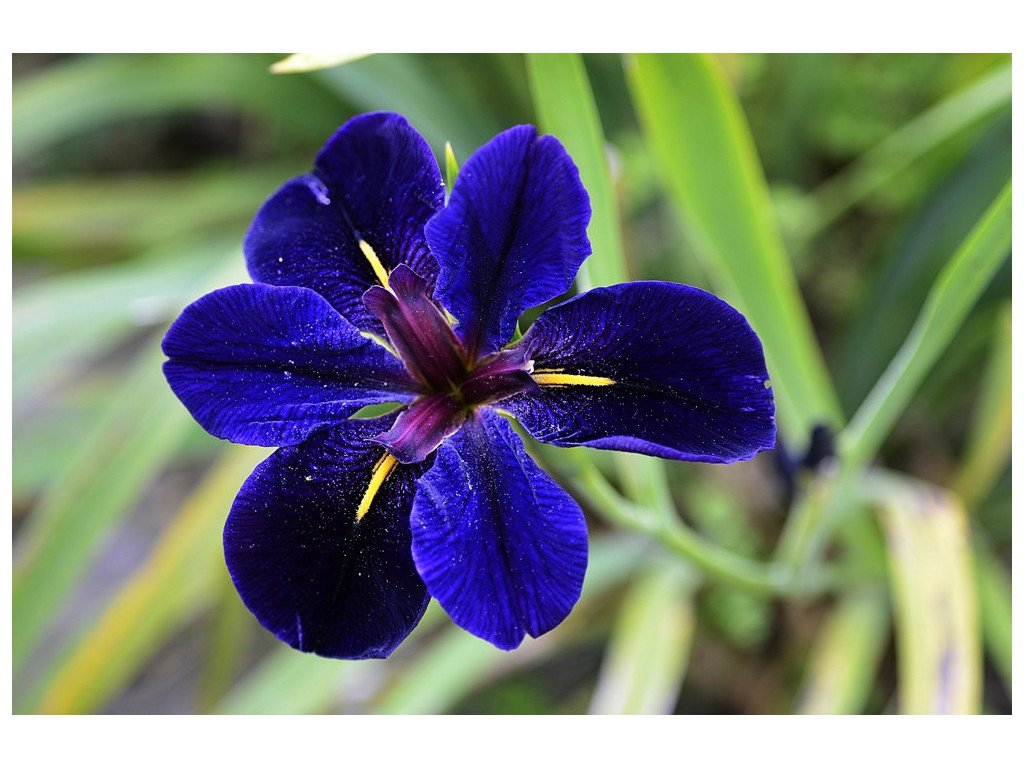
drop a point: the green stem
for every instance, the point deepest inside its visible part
(968, 272)
(715, 561)
(803, 520)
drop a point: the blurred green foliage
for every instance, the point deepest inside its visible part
(825, 195)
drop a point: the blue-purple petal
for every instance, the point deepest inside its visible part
(497, 542)
(314, 576)
(266, 365)
(512, 237)
(375, 180)
(689, 373)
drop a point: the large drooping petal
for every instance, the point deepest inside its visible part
(375, 181)
(656, 368)
(315, 573)
(264, 365)
(512, 237)
(498, 543)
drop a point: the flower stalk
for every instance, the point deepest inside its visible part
(661, 523)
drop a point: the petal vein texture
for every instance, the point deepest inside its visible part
(375, 181)
(499, 544)
(689, 375)
(263, 365)
(311, 573)
(513, 235)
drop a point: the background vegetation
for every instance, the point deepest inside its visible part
(854, 207)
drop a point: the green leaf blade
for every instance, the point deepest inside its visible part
(695, 126)
(959, 285)
(566, 108)
(647, 657)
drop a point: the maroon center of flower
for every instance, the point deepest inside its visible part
(451, 383)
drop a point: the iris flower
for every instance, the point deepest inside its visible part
(369, 289)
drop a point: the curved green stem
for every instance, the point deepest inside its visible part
(765, 578)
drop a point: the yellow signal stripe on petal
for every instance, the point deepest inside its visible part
(557, 379)
(378, 268)
(381, 470)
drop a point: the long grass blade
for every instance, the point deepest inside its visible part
(962, 280)
(452, 666)
(701, 141)
(290, 683)
(996, 604)
(886, 161)
(988, 442)
(118, 458)
(229, 624)
(287, 682)
(89, 93)
(51, 342)
(905, 269)
(457, 663)
(80, 221)
(116, 461)
(566, 108)
(405, 83)
(647, 655)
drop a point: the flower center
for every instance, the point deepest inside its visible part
(419, 332)
(452, 384)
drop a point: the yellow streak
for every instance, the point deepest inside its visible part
(381, 470)
(182, 562)
(555, 379)
(378, 268)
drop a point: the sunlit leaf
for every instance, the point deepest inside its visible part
(308, 62)
(451, 166)
(647, 656)
(566, 108)
(936, 616)
(844, 660)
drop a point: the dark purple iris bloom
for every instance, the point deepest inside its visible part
(369, 290)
